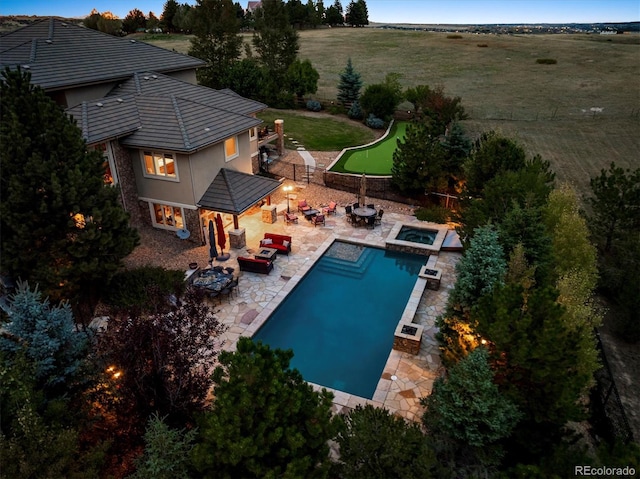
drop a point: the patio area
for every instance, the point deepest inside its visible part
(406, 377)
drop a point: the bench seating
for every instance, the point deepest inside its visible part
(255, 265)
(277, 242)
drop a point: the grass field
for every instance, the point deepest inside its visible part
(581, 113)
(376, 159)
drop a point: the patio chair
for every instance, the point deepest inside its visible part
(290, 218)
(356, 205)
(317, 220)
(355, 220)
(331, 209)
(348, 211)
(372, 206)
(371, 222)
(303, 206)
(379, 216)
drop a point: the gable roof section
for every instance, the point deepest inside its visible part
(235, 192)
(107, 118)
(62, 55)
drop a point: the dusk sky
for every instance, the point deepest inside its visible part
(380, 11)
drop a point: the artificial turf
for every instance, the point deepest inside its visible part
(376, 159)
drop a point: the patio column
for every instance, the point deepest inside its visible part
(279, 124)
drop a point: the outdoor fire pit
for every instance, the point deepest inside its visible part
(408, 337)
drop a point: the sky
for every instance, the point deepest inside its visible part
(384, 11)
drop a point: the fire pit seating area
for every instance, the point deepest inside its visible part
(281, 243)
(255, 265)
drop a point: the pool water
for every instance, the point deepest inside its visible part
(341, 317)
(417, 235)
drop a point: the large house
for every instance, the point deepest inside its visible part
(179, 152)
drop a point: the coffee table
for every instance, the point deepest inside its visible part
(310, 214)
(266, 253)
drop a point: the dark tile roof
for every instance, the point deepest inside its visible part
(152, 110)
(235, 192)
(60, 55)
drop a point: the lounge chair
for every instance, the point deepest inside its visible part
(331, 209)
(318, 220)
(290, 218)
(303, 206)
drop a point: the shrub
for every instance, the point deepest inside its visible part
(313, 105)
(144, 287)
(547, 61)
(454, 37)
(337, 109)
(434, 214)
(355, 112)
(375, 122)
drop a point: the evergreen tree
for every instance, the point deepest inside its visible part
(615, 204)
(168, 14)
(357, 14)
(265, 421)
(48, 338)
(335, 14)
(61, 226)
(467, 417)
(166, 452)
(375, 443)
(217, 40)
(350, 84)
(276, 43)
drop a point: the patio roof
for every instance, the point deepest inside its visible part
(234, 192)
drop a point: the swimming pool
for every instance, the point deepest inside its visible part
(341, 317)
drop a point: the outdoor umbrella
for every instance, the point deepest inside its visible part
(363, 189)
(213, 252)
(222, 240)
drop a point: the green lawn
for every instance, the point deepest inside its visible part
(376, 159)
(318, 134)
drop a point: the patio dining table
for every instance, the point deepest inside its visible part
(212, 280)
(364, 212)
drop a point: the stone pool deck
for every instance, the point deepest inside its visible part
(406, 377)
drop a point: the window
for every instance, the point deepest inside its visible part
(167, 216)
(109, 168)
(253, 133)
(231, 148)
(159, 164)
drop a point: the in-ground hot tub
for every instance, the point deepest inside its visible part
(416, 238)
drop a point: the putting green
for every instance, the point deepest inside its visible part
(376, 159)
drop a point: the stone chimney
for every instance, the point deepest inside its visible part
(279, 124)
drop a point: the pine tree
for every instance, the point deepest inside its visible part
(217, 40)
(350, 84)
(265, 421)
(61, 226)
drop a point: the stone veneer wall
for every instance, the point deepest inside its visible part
(377, 186)
(127, 184)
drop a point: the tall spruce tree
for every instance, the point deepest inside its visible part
(265, 421)
(61, 226)
(350, 84)
(276, 43)
(217, 40)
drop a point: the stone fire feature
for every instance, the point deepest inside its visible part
(408, 337)
(269, 214)
(432, 275)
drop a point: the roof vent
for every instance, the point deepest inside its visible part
(99, 104)
(207, 129)
(146, 78)
(26, 67)
(119, 100)
(132, 41)
(48, 41)
(154, 76)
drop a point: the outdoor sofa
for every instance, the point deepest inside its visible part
(281, 243)
(255, 265)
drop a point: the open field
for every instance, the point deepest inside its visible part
(580, 114)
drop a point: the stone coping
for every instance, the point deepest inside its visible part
(411, 246)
